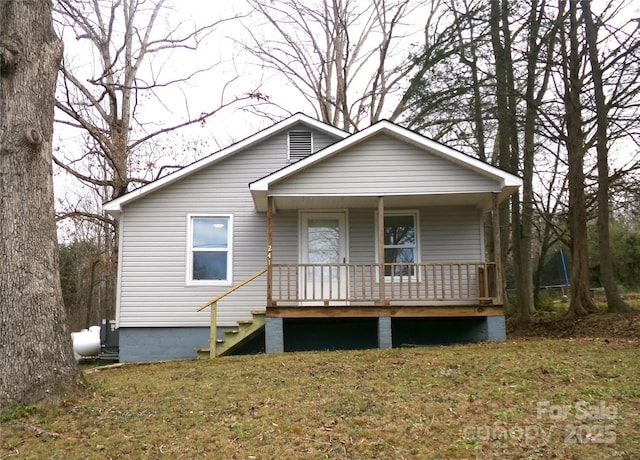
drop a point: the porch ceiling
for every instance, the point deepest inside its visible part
(479, 200)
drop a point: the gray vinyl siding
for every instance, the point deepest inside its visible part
(362, 231)
(384, 165)
(451, 234)
(322, 140)
(153, 287)
(153, 290)
(285, 237)
(447, 234)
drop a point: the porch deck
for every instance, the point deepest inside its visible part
(387, 290)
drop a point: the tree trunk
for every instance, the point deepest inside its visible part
(506, 124)
(615, 304)
(581, 302)
(521, 211)
(532, 104)
(35, 344)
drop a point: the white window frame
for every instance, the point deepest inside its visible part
(189, 267)
(416, 220)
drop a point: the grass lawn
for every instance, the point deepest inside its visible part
(554, 398)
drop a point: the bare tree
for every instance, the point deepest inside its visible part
(35, 345)
(508, 80)
(551, 209)
(470, 42)
(580, 302)
(507, 136)
(110, 106)
(614, 301)
(341, 56)
(451, 93)
(539, 43)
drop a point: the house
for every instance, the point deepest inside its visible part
(313, 238)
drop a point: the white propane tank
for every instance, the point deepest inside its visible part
(86, 342)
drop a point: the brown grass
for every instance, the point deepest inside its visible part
(505, 400)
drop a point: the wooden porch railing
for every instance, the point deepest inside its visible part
(404, 282)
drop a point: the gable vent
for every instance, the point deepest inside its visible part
(300, 145)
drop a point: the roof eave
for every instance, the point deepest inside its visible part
(504, 177)
(116, 205)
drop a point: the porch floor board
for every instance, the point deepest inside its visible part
(397, 311)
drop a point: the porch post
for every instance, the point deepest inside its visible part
(496, 329)
(385, 337)
(381, 289)
(270, 251)
(274, 335)
(497, 255)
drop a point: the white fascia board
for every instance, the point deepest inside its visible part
(506, 179)
(114, 207)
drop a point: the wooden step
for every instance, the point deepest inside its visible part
(203, 353)
(235, 336)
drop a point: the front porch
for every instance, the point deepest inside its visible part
(387, 286)
(338, 305)
(394, 268)
(398, 296)
(403, 290)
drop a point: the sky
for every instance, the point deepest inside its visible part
(173, 104)
(229, 74)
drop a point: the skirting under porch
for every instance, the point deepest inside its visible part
(350, 333)
(306, 334)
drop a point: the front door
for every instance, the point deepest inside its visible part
(323, 254)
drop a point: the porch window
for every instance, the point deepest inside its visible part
(210, 250)
(400, 243)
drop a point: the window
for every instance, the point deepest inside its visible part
(210, 249)
(300, 145)
(400, 243)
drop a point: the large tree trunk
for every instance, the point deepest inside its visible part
(521, 210)
(37, 364)
(509, 156)
(503, 115)
(581, 302)
(614, 301)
